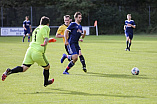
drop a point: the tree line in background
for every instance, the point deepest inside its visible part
(110, 14)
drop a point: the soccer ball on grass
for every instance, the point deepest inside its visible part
(135, 71)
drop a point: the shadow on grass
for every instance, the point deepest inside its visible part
(114, 75)
(69, 92)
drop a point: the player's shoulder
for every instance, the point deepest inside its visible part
(73, 23)
(44, 27)
(24, 21)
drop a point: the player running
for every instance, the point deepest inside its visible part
(27, 28)
(128, 27)
(60, 34)
(72, 35)
(36, 52)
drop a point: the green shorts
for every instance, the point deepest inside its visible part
(33, 55)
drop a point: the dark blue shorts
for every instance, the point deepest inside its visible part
(73, 49)
(27, 31)
(129, 34)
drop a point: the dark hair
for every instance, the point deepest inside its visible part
(27, 16)
(44, 20)
(67, 16)
(76, 14)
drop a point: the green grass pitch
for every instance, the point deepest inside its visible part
(109, 78)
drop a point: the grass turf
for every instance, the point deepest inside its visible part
(109, 78)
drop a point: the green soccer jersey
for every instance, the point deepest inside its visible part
(38, 37)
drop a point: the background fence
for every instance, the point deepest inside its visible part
(110, 18)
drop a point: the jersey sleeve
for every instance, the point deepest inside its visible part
(133, 23)
(60, 30)
(71, 26)
(125, 22)
(24, 22)
(29, 22)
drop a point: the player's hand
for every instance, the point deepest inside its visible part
(129, 25)
(25, 29)
(66, 43)
(45, 43)
(81, 40)
(31, 30)
(52, 40)
(84, 32)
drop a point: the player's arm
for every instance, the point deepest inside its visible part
(83, 34)
(30, 28)
(66, 35)
(24, 26)
(45, 42)
(59, 36)
(133, 26)
(59, 31)
(124, 27)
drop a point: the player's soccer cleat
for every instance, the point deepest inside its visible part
(128, 49)
(65, 73)
(5, 74)
(84, 69)
(52, 40)
(63, 58)
(49, 82)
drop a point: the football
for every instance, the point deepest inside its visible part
(135, 71)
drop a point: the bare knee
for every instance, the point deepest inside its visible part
(75, 58)
(24, 68)
(47, 67)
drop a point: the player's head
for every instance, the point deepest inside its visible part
(67, 19)
(27, 17)
(129, 16)
(78, 17)
(44, 20)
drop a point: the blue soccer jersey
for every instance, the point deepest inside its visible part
(129, 28)
(26, 24)
(75, 32)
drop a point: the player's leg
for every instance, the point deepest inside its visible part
(25, 33)
(71, 63)
(72, 50)
(41, 60)
(28, 31)
(82, 60)
(46, 75)
(23, 37)
(127, 40)
(69, 51)
(26, 64)
(28, 37)
(69, 59)
(17, 69)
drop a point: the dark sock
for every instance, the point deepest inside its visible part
(129, 45)
(28, 38)
(46, 76)
(17, 69)
(23, 38)
(82, 60)
(71, 64)
(127, 42)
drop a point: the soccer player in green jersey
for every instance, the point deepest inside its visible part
(36, 52)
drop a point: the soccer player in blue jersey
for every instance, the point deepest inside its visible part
(128, 27)
(72, 35)
(60, 34)
(27, 28)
